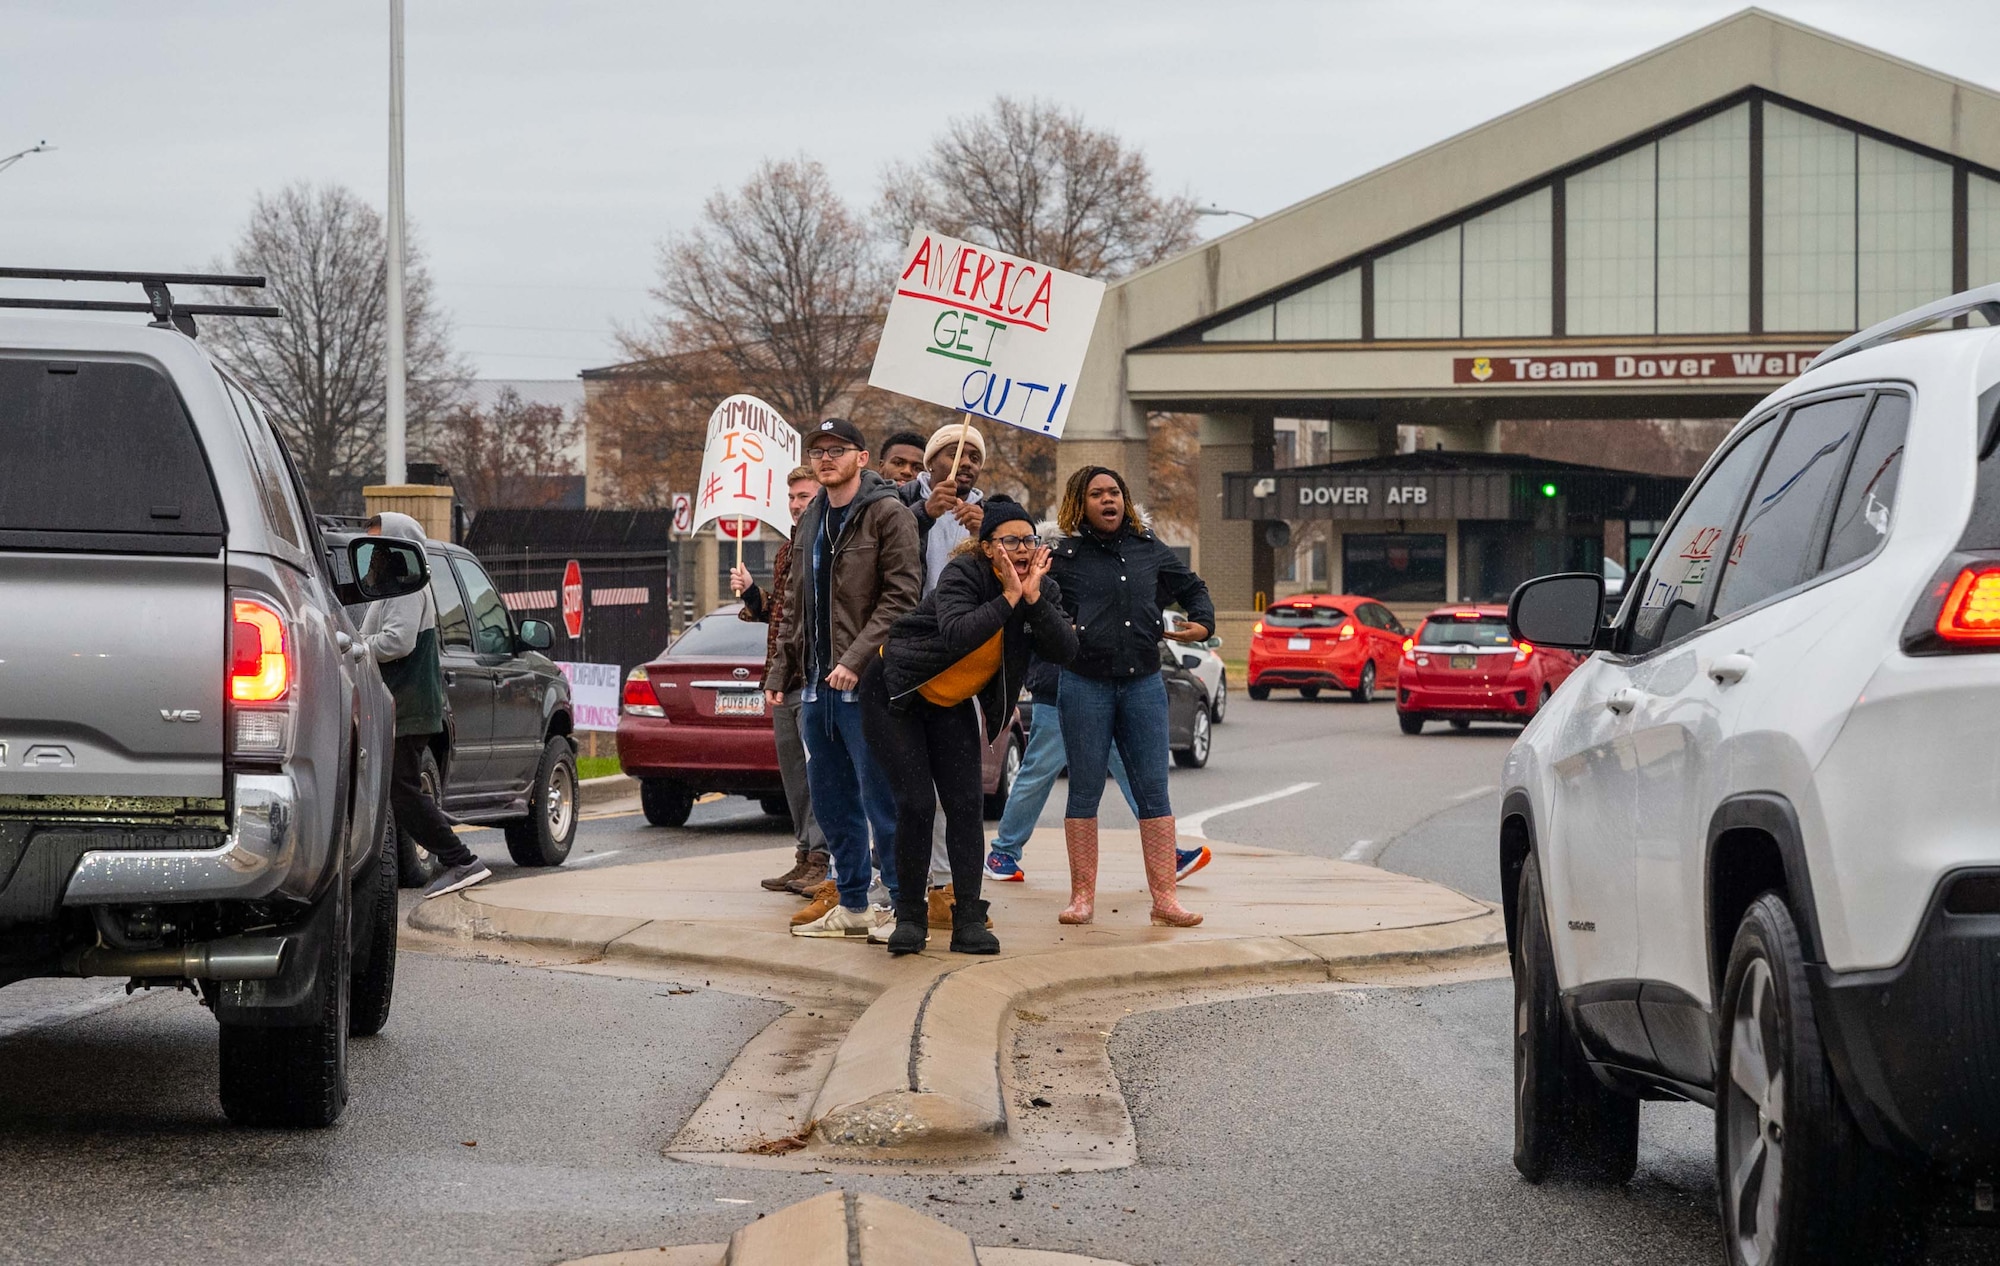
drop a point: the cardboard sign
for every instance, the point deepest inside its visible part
(985, 333)
(593, 694)
(748, 453)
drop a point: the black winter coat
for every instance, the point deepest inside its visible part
(1114, 589)
(965, 610)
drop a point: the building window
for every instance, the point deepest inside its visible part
(1808, 223)
(1703, 278)
(1416, 289)
(1284, 446)
(1330, 310)
(1902, 229)
(1982, 222)
(1508, 269)
(1393, 567)
(1252, 327)
(1608, 247)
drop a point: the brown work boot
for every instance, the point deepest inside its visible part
(783, 883)
(824, 898)
(942, 900)
(807, 884)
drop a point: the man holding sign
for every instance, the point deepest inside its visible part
(858, 569)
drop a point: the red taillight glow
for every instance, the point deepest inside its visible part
(1971, 614)
(639, 698)
(1409, 647)
(1257, 629)
(260, 661)
(1346, 630)
(1521, 652)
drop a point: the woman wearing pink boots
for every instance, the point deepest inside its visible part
(1114, 576)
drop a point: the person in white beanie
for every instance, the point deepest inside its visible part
(944, 497)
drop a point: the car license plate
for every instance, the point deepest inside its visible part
(739, 703)
(1465, 661)
(1299, 644)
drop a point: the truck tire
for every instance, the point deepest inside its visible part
(666, 802)
(414, 864)
(375, 959)
(294, 1076)
(1565, 1121)
(543, 838)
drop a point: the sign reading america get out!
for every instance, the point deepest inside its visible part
(986, 333)
(744, 461)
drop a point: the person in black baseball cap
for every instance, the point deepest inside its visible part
(840, 428)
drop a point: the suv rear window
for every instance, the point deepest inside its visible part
(720, 635)
(1303, 616)
(101, 456)
(1487, 630)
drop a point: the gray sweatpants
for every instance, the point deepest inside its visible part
(792, 769)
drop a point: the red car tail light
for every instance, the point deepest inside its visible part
(1409, 648)
(1970, 615)
(1257, 629)
(1522, 652)
(260, 662)
(640, 699)
(1346, 630)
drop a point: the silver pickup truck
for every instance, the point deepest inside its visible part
(194, 743)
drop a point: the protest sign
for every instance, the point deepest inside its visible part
(593, 694)
(986, 333)
(748, 453)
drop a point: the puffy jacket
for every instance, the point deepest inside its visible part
(962, 614)
(1114, 588)
(878, 576)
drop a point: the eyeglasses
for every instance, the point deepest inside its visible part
(1018, 544)
(832, 452)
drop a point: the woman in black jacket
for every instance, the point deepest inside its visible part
(1116, 576)
(970, 638)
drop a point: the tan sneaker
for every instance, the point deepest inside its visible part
(942, 900)
(824, 898)
(841, 922)
(807, 884)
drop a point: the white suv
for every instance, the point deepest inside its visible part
(1751, 851)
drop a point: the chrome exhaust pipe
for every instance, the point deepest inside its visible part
(231, 958)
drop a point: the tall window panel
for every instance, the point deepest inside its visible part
(1329, 310)
(1902, 230)
(1808, 223)
(1608, 247)
(1704, 226)
(1416, 289)
(1982, 222)
(1508, 266)
(1253, 326)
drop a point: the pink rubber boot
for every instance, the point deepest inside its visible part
(1080, 835)
(1156, 841)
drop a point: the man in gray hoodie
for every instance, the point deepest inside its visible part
(401, 634)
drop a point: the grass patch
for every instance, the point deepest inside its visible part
(596, 766)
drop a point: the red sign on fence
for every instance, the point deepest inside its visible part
(572, 599)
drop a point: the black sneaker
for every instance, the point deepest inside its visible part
(458, 877)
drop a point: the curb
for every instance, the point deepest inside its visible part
(593, 792)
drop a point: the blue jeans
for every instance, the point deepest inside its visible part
(1130, 714)
(850, 797)
(1041, 763)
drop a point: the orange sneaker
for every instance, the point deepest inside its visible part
(824, 898)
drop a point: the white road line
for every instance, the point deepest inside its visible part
(1362, 851)
(1476, 791)
(596, 857)
(1192, 826)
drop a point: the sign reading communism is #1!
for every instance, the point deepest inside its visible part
(986, 333)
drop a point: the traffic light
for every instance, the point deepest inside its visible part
(1549, 490)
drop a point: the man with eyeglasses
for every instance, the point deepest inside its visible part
(859, 568)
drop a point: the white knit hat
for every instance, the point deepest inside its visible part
(947, 437)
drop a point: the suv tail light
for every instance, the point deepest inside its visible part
(640, 699)
(260, 671)
(1960, 609)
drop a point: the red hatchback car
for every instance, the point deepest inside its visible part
(1464, 666)
(694, 721)
(1316, 640)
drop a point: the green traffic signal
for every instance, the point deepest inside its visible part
(1548, 490)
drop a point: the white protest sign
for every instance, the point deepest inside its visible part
(748, 453)
(986, 333)
(593, 694)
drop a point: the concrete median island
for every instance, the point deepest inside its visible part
(940, 1057)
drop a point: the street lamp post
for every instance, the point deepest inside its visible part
(1222, 211)
(39, 147)
(397, 402)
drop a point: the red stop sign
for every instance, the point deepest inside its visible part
(572, 599)
(736, 529)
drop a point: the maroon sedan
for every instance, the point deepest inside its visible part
(1462, 665)
(694, 721)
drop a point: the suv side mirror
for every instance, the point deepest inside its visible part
(381, 567)
(1562, 610)
(535, 635)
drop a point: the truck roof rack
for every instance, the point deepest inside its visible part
(159, 300)
(1983, 301)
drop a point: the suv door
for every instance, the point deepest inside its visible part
(468, 687)
(516, 746)
(1599, 767)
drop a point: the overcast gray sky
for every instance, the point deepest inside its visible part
(551, 145)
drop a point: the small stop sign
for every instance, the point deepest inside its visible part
(572, 599)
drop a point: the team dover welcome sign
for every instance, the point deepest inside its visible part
(986, 333)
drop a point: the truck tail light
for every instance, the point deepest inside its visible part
(1522, 651)
(640, 698)
(260, 658)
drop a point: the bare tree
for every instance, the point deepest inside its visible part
(1173, 460)
(510, 453)
(1033, 180)
(320, 369)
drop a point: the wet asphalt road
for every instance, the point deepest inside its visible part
(1352, 1127)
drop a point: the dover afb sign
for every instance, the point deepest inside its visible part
(986, 333)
